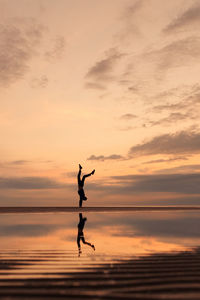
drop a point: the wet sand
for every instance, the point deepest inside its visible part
(54, 274)
(96, 209)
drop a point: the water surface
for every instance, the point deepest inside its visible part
(133, 252)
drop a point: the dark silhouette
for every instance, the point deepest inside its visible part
(81, 185)
(80, 235)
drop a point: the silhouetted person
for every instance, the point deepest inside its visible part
(81, 185)
(80, 236)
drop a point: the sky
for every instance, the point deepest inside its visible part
(113, 85)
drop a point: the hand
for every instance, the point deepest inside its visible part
(80, 167)
(93, 172)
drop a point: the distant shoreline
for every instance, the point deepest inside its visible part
(95, 209)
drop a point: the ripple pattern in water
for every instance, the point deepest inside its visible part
(46, 274)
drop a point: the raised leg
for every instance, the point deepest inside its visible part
(79, 177)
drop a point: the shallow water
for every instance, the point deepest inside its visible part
(136, 252)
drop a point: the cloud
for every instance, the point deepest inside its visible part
(19, 41)
(176, 54)
(128, 117)
(173, 118)
(155, 161)
(28, 183)
(22, 162)
(56, 49)
(14, 163)
(133, 9)
(178, 143)
(189, 17)
(186, 168)
(127, 128)
(135, 88)
(40, 82)
(130, 18)
(95, 86)
(103, 158)
(101, 72)
(190, 97)
(133, 185)
(19, 162)
(165, 183)
(70, 174)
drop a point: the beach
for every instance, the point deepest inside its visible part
(138, 254)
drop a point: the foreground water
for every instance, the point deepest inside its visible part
(113, 255)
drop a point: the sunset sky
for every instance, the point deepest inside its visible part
(113, 85)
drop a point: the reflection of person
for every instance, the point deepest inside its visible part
(81, 185)
(80, 235)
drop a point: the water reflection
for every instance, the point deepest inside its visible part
(80, 235)
(143, 254)
(129, 233)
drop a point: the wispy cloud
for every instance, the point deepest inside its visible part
(178, 53)
(103, 158)
(56, 49)
(130, 28)
(128, 117)
(175, 117)
(188, 18)
(133, 9)
(22, 162)
(19, 162)
(19, 41)
(187, 99)
(95, 86)
(101, 72)
(70, 174)
(155, 161)
(40, 82)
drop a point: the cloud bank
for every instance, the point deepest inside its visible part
(28, 183)
(164, 183)
(176, 144)
(184, 142)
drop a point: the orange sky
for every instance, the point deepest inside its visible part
(113, 85)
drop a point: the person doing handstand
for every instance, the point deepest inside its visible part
(81, 185)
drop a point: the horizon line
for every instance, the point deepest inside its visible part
(49, 209)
